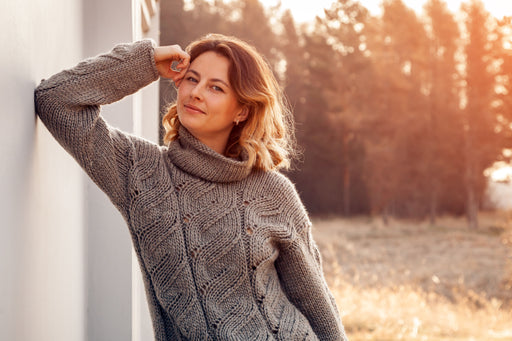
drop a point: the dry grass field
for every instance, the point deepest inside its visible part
(413, 281)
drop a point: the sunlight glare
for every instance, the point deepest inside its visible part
(307, 11)
(500, 172)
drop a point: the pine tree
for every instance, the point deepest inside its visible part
(481, 143)
(443, 158)
(396, 120)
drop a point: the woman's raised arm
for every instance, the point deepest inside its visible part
(69, 104)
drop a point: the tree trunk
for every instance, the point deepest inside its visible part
(471, 199)
(472, 208)
(433, 207)
(385, 216)
(346, 190)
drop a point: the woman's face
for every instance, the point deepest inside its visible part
(207, 105)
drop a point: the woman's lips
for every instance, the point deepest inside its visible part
(193, 109)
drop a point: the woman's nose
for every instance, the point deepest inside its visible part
(197, 91)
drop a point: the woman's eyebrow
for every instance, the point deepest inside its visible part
(197, 74)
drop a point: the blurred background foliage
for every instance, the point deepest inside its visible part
(398, 115)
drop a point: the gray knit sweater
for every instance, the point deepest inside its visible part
(226, 252)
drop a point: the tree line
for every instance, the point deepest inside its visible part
(397, 114)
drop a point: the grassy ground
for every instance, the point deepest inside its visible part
(413, 281)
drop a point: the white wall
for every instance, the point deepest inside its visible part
(65, 254)
(41, 250)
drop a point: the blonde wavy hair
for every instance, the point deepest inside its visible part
(266, 136)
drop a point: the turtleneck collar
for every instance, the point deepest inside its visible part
(193, 157)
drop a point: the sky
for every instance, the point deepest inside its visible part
(307, 10)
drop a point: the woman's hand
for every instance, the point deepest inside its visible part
(171, 62)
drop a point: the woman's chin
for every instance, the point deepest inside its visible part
(189, 121)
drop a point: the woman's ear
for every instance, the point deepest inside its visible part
(242, 115)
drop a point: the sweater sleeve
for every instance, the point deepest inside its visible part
(300, 271)
(68, 103)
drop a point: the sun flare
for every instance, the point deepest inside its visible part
(306, 11)
(502, 174)
(499, 172)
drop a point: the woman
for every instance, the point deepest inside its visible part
(223, 240)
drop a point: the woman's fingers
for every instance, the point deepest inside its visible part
(179, 75)
(171, 61)
(180, 68)
(170, 52)
(180, 65)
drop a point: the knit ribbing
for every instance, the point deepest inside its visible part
(226, 253)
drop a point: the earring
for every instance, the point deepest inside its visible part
(236, 122)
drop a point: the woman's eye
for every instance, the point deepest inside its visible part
(191, 79)
(217, 88)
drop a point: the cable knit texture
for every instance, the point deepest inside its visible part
(226, 252)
